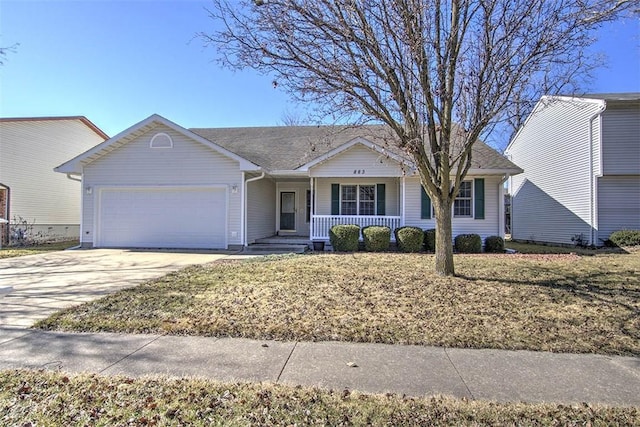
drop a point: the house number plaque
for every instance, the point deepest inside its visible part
(359, 171)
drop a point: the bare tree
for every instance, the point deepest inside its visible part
(5, 50)
(438, 73)
(292, 118)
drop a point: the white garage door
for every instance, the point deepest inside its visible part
(160, 217)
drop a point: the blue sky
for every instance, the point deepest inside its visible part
(117, 62)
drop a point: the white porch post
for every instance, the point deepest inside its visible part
(313, 208)
(501, 219)
(243, 216)
(402, 200)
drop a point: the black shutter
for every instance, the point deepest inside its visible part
(380, 199)
(478, 184)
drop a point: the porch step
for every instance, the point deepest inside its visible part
(284, 240)
(277, 248)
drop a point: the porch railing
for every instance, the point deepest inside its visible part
(320, 224)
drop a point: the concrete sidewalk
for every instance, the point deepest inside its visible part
(505, 376)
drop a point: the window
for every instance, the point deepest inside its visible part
(367, 200)
(308, 209)
(468, 204)
(161, 140)
(462, 203)
(358, 200)
(349, 204)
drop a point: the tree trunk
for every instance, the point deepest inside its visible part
(444, 238)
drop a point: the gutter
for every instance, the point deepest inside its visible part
(592, 177)
(72, 178)
(244, 204)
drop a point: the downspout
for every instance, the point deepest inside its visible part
(592, 190)
(6, 236)
(244, 204)
(82, 191)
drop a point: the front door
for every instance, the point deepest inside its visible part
(288, 211)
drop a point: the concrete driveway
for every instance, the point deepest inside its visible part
(45, 283)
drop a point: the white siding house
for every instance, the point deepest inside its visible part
(157, 184)
(30, 190)
(581, 161)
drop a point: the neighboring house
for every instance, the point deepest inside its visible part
(33, 198)
(160, 185)
(581, 161)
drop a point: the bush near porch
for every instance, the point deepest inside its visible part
(376, 238)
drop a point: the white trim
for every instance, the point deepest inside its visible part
(243, 213)
(501, 212)
(403, 196)
(161, 134)
(593, 184)
(357, 200)
(349, 144)
(75, 165)
(472, 206)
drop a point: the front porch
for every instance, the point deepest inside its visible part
(321, 224)
(309, 208)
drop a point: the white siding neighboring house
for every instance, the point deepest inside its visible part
(157, 184)
(29, 188)
(581, 161)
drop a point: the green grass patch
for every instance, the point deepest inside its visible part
(55, 398)
(559, 303)
(16, 251)
(532, 248)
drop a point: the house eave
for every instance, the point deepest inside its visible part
(360, 140)
(481, 171)
(76, 164)
(289, 173)
(486, 172)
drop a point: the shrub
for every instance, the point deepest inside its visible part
(468, 243)
(376, 238)
(494, 244)
(409, 239)
(344, 237)
(625, 237)
(430, 240)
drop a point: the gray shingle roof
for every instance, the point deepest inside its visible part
(625, 96)
(289, 147)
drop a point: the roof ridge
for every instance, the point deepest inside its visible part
(83, 119)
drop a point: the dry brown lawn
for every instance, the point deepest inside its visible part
(32, 398)
(16, 251)
(560, 303)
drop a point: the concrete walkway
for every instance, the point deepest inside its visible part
(43, 284)
(505, 376)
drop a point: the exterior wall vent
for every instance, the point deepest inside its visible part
(161, 140)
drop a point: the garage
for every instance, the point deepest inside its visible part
(162, 217)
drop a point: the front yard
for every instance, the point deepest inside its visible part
(560, 303)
